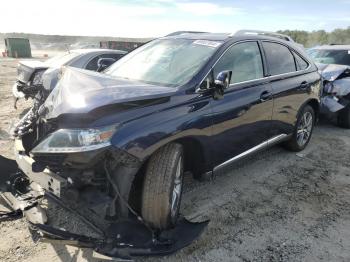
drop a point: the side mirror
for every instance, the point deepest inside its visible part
(223, 79)
(103, 63)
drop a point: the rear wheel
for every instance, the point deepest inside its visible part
(162, 188)
(344, 117)
(303, 130)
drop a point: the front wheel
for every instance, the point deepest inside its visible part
(162, 188)
(303, 130)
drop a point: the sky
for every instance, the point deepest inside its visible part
(147, 18)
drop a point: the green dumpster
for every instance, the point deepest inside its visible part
(18, 47)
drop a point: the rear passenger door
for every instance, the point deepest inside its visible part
(242, 117)
(290, 85)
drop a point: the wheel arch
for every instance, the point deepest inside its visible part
(194, 162)
(314, 103)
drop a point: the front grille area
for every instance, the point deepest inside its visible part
(54, 162)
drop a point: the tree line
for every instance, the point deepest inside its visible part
(320, 37)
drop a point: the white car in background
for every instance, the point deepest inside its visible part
(34, 76)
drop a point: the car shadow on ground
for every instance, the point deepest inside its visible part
(79, 254)
(7, 167)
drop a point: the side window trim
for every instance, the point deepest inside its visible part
(264, 60)
(263, 57)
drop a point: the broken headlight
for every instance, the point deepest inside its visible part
(38, 79)
(76, 140)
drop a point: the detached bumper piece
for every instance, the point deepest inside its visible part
(124, 239)
(129, 239)
(23, 199)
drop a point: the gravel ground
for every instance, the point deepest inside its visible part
(274, 206)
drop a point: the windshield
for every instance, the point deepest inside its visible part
(61, 59)
(168, 62)
(339, 57)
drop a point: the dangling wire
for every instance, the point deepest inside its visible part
(4, 215)
(116, 189)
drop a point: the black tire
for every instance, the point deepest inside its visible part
(162, 174)
(295, 144)
(344, 117)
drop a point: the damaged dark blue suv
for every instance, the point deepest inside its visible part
(117, 144)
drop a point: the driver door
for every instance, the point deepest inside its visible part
(242, 118)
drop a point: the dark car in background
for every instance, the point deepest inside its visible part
(120, 142)
(333, 62)
(33, 74)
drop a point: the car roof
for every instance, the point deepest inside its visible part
(200, 36)
(97, 50)
(226, 37)
(333, 47)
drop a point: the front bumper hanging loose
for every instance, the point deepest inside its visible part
(128, 239)
(124, 239)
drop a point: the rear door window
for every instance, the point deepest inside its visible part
(279, 59)
(244, 60)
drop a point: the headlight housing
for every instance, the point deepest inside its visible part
(75, 140)
(38, 79)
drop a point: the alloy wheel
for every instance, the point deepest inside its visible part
(304, 128)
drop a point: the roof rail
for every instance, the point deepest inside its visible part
(258, 32)
(185, 32)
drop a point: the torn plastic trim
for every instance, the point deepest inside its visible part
(341, 87)
(331, 103)
(332, 72)
(124, 239)
(23, 203)
(128, 239)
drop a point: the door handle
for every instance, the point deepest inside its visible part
(304, 85)
(266, 95)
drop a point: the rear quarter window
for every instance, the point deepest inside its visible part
(279, 59)
(301, 63)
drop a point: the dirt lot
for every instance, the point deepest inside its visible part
(275, 206)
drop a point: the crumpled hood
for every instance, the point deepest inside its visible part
(332, 72)
(81, 91)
